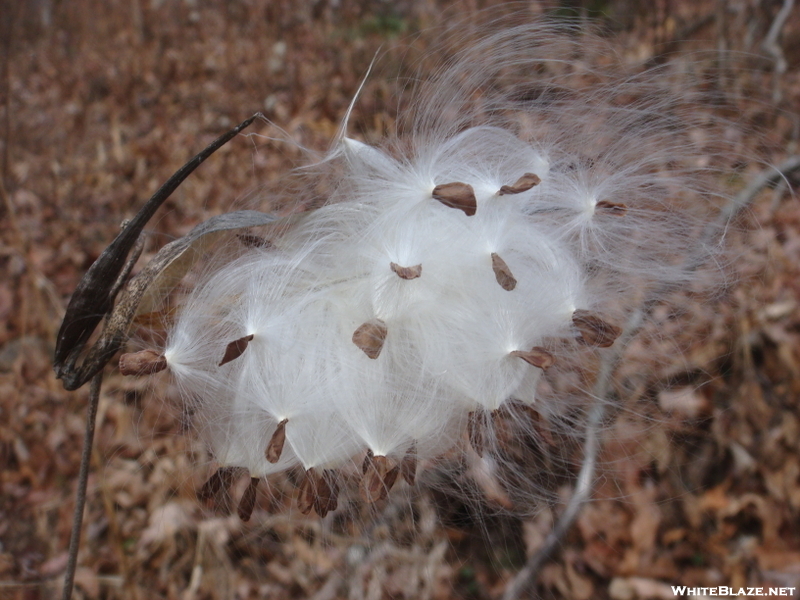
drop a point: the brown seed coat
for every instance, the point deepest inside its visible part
(145, 362)
(276, 442)
(615, 208)
(536, 356)
(217, 484)
(502, 273)
(523, 184)
(594, 331)
(379, 477)
(248, 501)
(370, 336)
(457, 195)
(406, 272)
(235, 349)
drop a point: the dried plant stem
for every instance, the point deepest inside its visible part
(528, 575)
(83, 478)
(771, 45)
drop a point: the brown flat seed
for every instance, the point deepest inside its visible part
(406, 272)
(523, 184)
(594, 330)
(370, 337)
(307, 492)
(275, 446)
(503, 273)
(218, 483)
(408, 466)
(235, 349)
(254, 241)
(380, 476)
(389, 481)
(615, 208)
(248, 501)
(145, 362)
(536, 356)
(457, 195)
(327, 496)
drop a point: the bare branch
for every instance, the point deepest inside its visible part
(83, 478)
(771, 45)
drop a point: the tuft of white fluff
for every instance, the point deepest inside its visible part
(399, 319)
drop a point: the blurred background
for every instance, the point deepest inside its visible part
(101, 101)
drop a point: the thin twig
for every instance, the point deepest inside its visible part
(528, 575)
(83, 478)
(771, 45)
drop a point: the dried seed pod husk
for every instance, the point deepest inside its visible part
(235, 349)
(145, 362)
(219, 483)
(457, 195)
(536, 356)
(406, 272)
(594, 331)
(502, 273)
(615, 208)
(408, 466)
(94, 296)
(380, 476)
(276, 442)
(523, 184)
(248, 501)
(370, 336)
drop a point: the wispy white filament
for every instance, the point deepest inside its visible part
(572, 189)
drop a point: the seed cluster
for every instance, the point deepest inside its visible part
(388, 325)
(415, 313)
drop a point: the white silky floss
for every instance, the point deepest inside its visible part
(430, 293)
